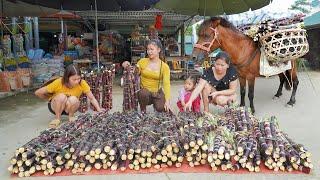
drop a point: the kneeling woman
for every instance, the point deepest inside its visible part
(63, 95)
(154, 79)
(218, 84)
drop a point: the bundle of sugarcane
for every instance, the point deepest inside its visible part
(90, 78)
(141, 151)
(98, 149)
(67, 157)
(247, 152)
(130, 89)
(155, 144)
(50, 150)
(239, 124)
(192, 137)
(108, 75)
(25, 158)
(101, 86)
(221, 149)
(278, 151)
(170, 148)
(238, 119)
(208, 122)
(95, 82)
(83, 107)
(256, 31)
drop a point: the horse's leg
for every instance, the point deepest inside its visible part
(242, 90)
(295, 82)
(251, 82)
(279, 92)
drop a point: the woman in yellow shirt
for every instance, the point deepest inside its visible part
(63, 95)
(154, 79)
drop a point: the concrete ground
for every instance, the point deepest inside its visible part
(23, 116)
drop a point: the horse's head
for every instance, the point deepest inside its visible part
(208, 38)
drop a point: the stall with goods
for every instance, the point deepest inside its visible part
(171, 47)
(138, 44)
(111, 47)
(231, 141)
(46, 68)
(16, 72)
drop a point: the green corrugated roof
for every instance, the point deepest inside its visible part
(313, 20)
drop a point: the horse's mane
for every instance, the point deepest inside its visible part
(223, 22)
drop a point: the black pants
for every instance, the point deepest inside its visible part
(52, 111)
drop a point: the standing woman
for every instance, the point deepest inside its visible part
(218, 84)
(63, 95)
(154, 79)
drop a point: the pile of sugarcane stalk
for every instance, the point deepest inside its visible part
(101, 86)
(221, 149)
(50, 151)
(131, 86)
(280, 152)
(119, 141)
(156, 144)
(193, 128)
(246, 154)
(256, 31)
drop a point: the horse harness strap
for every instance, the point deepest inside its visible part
(249, 61)
(208, 48)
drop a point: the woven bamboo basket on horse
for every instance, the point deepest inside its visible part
(245, 54)
(285, 45)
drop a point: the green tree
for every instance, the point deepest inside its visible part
(188, 31)
(302, 5)
(315, 3)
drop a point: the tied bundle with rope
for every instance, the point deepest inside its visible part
(100, 83)
(131, 86)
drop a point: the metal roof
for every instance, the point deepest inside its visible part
(124, 21)
(312, 21)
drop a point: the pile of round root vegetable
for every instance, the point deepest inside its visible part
(230, 141)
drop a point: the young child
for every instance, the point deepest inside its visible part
(185, 93)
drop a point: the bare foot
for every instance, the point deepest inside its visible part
(72, 119)
(54, 123)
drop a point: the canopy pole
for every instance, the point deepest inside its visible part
(204, 11)
(61, 25)
(2, 14)
(97, 35)
(14, 31)
(27, 25)
(182, 40)
(36, 32)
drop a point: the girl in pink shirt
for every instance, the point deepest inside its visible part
(185, 93)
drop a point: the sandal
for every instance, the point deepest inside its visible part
(54, 123)
(72, 119)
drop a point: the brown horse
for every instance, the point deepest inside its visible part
(216, 33)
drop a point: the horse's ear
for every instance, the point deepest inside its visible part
(216, 23)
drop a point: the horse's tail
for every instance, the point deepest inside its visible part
(288, 80)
